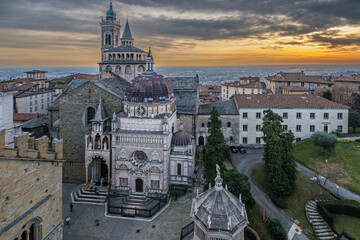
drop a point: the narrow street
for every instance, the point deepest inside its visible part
(244, 163)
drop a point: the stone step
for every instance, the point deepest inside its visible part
(324, 234)
(317, 220)
(311, 207)
(319, 224)
(321, 230)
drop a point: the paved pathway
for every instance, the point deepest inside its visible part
(88, 222)
(332, 187)
(244, 163)
(349, 138)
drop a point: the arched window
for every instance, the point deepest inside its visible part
(229, 124)
(90, 114)
(141, 69)
(132, 56)
(128, 69)
(118, 56)
(127, 56)
(118, 69)
(110, 57)
(122, 56)
(201, 141)
(179, 169)
(106, 143)
(97, 142)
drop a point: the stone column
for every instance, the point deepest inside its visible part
(28, 235)
(38, 231)
(86, 175)
(109, 178)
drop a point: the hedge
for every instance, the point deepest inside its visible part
(276, 229)
(347, 207)
(358, 140)
(278, 201)
(325, 214)
(344, 141)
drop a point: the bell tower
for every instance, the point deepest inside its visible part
(110, 31)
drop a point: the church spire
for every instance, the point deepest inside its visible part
(149, 61)
(127, 39)
(127, 32)
(99, 115)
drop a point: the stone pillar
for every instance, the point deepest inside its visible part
(109, 179)
(86, 175)
(38, 231)
(27, 235)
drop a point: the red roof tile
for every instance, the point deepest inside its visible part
(25, 116)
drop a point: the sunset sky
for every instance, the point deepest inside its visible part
(42, 33)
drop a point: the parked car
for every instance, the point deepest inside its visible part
(233, 149)
(241, 149)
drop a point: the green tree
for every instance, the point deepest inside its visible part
(327, 94)
(354, 120)
(325, 140)
(216, 149)
(238, 184)
(278, 155)
(276, 229)
(356, 102)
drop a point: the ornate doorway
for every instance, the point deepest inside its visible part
(139, 185)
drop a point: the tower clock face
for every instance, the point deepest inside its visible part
(140, 111)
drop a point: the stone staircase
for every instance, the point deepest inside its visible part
(321, 228)
(137, 200)
(79, 195)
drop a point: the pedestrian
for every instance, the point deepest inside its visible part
(71, 207)
(96, 190)
(67, 221)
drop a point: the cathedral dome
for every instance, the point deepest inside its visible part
(181, 138)
(149, 87)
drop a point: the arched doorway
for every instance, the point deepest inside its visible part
(139, 185)
(99, 170)
(201, 141)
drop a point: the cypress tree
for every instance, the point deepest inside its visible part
(216, 146)
(278, 155)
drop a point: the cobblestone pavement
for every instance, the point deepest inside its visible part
(88, 222)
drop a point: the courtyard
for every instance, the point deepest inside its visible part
(88, 222)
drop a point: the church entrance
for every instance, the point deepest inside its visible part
(139, 185)
(99, 172)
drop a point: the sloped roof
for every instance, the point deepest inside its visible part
(115, 85)
(224, 107)
(34, 123)
(284, 101)
(219, 211)
(25, 116)
(186, 101)
(184, 83)
(125, 49)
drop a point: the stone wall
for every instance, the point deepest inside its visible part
(31, 188)
(73, 125)
(229, 132)
(188, 121)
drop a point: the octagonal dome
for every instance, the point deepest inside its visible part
(149, 87)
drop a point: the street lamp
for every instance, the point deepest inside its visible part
(337, 190)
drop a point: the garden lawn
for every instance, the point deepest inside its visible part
(305, 190)
(351, 133)
(343, 164)
(347, 224)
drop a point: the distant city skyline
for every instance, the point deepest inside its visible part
(184, 33)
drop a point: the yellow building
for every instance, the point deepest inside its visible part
(294, 90)
(246, 85)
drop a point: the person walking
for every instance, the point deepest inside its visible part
(71, 207)
(67, 220)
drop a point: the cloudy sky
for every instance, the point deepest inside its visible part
(184, 32)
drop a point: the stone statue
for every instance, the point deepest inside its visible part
(90, 145)
(217, 169)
